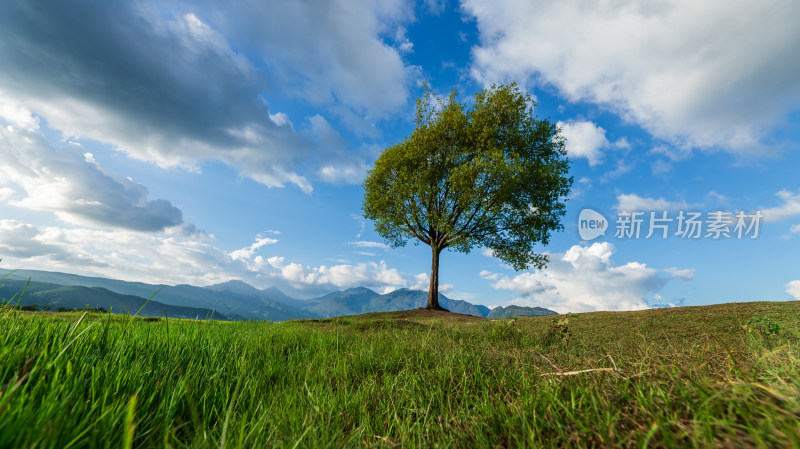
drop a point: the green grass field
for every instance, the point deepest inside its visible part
(685, 377)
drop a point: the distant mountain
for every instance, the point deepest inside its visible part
(404, 299)
(78, 297)
(243, 300)
(235, 286)
(123, 287)
(274, 294)
(348, 302)
(512, 311)
(360, 300)
(233, 299)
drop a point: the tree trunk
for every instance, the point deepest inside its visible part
(433, 290)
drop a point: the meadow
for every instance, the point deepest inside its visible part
(717, 376)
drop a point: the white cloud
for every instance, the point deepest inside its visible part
(247, 252)
(71, 184)
(21, 240)
(464, 296)
(422, 281)
(580, 188)
(361, 223)
(584, 279)
(6, 193)
(634, 202)
(402, 41)
(182, 257)
(486, 274)
(16, 114)
(584, 139)
(368, 274)
(367, 244)
(121, 254)
(789, 208)
(387, 289)
(280, 119)
(685, 274)
(793, 289)
(169, 83)
(352, 173)
(717, 198)
(711, 73)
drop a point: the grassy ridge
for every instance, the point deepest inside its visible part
(682, 377)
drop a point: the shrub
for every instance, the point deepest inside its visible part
(762, 325)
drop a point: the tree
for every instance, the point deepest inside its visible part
(491, 175)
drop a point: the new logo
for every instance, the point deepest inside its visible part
(591, 224)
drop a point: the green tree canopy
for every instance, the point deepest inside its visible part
(491, 175)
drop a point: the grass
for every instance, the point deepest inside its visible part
(686, 377)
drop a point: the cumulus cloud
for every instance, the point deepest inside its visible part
(345, 173)
(170, 83)
(368, 274)
(634, 202)
(585, 279)
(71, 184)
(793, 289)
(705, 74)
(23, 240)
(586, 140)
(789, 208)
(120, 253)
(16, 114)
(184, 257)
(422, 281)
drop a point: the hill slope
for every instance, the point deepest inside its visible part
(684, 377)
(512, 311)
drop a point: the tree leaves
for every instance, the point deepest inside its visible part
(492, 175)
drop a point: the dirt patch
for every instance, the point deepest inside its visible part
(417, 313)
(404, 315)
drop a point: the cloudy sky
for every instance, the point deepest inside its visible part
(198, 142)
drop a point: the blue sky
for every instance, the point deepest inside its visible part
(189, 142)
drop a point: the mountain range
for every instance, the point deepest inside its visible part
(233, 300)
(512, 311)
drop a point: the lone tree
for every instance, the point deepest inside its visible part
(491, 176)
